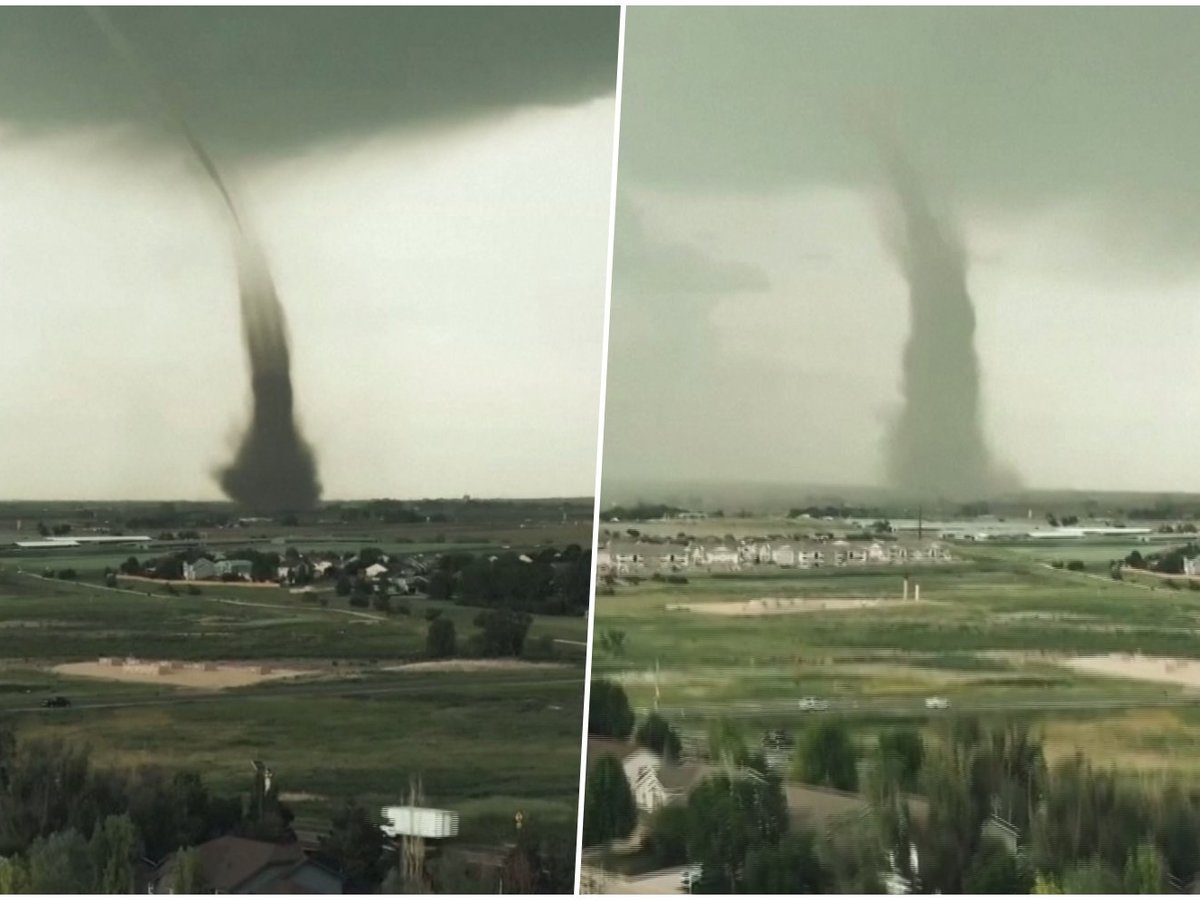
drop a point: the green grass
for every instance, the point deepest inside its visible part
(990, 630)
(481, 747)
(63, 621)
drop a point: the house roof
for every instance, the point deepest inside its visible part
(237, 865)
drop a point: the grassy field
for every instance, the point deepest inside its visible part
(62, 621)
(487, 744)
(482, 746)
(990, 630)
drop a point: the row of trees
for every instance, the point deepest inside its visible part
(69, 826)
(941, 803)
(544, 582)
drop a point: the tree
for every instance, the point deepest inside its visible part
(609, 810)
(789, 867)
(344, 586)
(503, 631)
(14, 876)
(726, 745)
(355, 845)
(666, 838)
(1045, 884)
(728, 815)
(59, 864)
(958, 795)
(829, 757)
(187, 877)
(655, 733)
(609, 714)
(114, 849)
(904, 751)
(1145, 871)
(995, 871)
(131, 566)
(440, 641)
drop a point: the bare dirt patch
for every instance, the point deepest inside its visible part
(205, 676)
(1169, 670)
(777, 606)
(474, 665)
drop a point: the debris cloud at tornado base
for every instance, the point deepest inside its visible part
(274, 468)
(936, 446)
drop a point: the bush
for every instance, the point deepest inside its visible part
(609, 714)
(1075, 565)
(441, 641)
(67, 574)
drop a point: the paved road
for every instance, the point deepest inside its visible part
(311, 689)
(893, 707)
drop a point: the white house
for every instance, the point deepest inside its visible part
(375, 570)
(783, 555)
(242, 567)
(1191, 567)
(200, 570)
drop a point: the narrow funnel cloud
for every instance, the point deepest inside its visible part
(936, 447)
(275, 468)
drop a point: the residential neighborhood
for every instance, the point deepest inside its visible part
(627, 557)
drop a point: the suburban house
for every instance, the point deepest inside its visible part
(653, 782)
(375, 571)
(646, 557)
(239, 567)
(1191, 567)
(200, 570)
(237, 865)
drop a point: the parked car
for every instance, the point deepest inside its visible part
(937, 703)
(56, 702)
(813, 704)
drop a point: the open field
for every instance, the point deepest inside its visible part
(351, 707)
(997, 633)
(74, 622)
(484, 745)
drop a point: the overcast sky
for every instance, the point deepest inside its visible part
(431, 186)
(758, 312)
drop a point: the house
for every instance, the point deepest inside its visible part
(784, 555)
(237, 865)
(1191, 567)
(200, 570)
(653, 782)
(240, 567)
(375, 571)
(719, 555)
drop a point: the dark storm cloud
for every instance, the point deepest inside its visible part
(1012, 104)
(269, 80)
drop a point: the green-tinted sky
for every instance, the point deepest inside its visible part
(432, 190)
(262, 79)
(1061, 142)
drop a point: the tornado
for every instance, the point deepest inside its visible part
(936, 447)
(274, 468)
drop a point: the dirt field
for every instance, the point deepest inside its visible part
(182, 676)
(473, 665)
(776, 606)
(1143, 668)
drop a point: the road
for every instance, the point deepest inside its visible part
(311, 689)
(916, 706)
